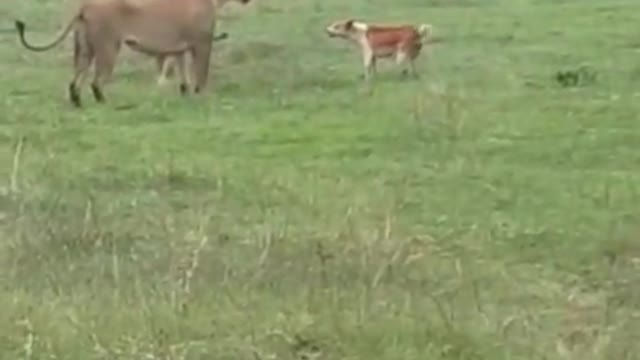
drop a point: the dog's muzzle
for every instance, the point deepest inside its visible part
(332, 33)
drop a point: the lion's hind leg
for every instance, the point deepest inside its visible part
(105, 60)
(183, 71)
(201, 55)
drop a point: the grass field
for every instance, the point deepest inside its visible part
(484, 211)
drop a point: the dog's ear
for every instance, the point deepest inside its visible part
(348, 25)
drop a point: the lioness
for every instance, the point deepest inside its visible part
(166, 63)
(154, 27)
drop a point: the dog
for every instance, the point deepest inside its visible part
(402, 42)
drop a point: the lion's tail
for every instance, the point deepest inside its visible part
(221, 36)
(141, 46)
(146, 48)
(21, 27)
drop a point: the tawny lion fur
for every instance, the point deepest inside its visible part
(167, 63)
(153, 27)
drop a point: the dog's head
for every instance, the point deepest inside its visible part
(346, 28)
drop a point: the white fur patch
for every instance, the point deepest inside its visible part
(425, 29)
(360, 26)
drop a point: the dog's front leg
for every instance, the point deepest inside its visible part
(368, 62)
(412, 66)
(404, 61)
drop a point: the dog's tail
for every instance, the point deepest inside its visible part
(425, 31)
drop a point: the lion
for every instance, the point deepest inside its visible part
(166, 63)
(153, 27)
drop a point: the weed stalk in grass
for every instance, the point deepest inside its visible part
(15, 169)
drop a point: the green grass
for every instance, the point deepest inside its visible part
(480, 212)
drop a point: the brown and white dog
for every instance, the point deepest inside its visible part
(402, 42)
